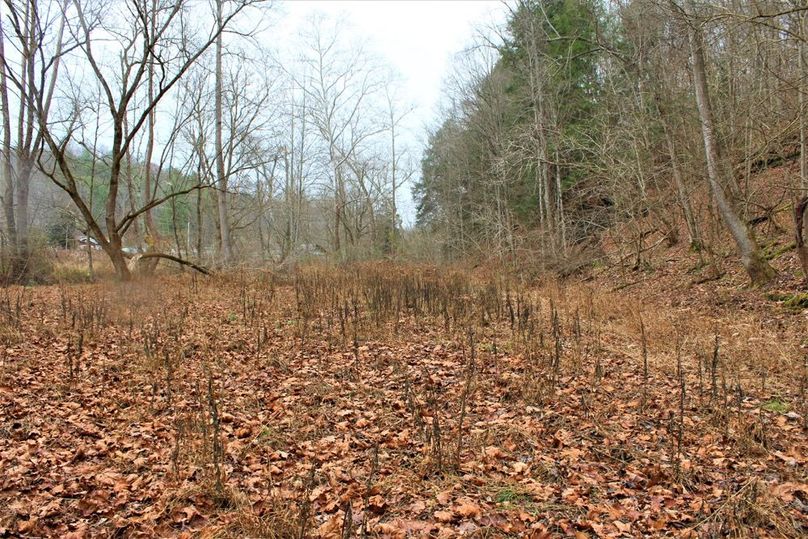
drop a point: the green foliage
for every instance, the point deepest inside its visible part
(795, 302)
(510, 495)
(482, 165)
(774, 251)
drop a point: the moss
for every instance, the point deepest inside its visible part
(794, 302)
(773, 251)
(775, 405)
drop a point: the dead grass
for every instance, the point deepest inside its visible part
(238, 405)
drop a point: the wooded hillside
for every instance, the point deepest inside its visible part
(650, 116)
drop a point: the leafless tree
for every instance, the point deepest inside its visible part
(756, 266)
(164, 36)
(37, 35)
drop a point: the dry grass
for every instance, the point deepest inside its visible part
(253, 404)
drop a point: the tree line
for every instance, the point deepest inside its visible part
(581, 114)
(172, 126)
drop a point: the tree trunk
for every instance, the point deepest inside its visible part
(199, 225)
(22, 187)
(684, 199)
(224, 222)
(756, 266)
(337, 208)
(799, 234)
(151, 230)
(393, 182)
(8, 169)
(177, 241)
(130, 186)
(559, 207)
(801, 89)
(113, 251)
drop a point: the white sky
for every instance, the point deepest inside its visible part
(418, 38)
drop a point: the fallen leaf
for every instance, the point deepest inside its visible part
(443, 516)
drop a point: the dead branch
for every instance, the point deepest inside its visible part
(142, 256)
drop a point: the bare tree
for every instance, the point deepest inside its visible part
(398, 172)
(34, 77)
(164, 37)
(756, 266)
(340, 85)
(221, 177)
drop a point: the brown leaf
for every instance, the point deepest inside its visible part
(467, 509)
(443, 516)
(444, 496)
(376, 504)
(494, 452)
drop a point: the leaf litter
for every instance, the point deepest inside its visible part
(391, 401)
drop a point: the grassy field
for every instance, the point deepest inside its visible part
(382, 400)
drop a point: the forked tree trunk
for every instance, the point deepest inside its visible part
(118, 260)
(756, 266)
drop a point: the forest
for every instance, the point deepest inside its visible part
(250, 286)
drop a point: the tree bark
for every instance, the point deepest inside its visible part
(148, 217)
(684, 199)
(799, 233)
(801, 89)
(156, 256)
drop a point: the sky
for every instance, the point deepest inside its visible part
(418, 38)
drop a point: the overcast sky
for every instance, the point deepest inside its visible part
(417, 37)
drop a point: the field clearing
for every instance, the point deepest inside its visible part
(389, 401)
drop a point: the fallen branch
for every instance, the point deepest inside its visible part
(138, 257)
(640, 251)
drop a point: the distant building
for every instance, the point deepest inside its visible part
(84, 241)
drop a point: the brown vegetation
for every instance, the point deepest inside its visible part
(385, 400)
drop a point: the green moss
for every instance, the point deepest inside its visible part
(773, 251)
(775, 405)
(795, 302)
